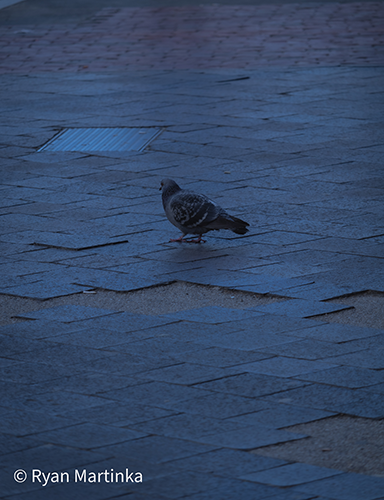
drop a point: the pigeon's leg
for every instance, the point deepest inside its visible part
(193, 240)
(188, 240)
(178, 239)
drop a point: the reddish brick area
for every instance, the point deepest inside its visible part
(201, 37)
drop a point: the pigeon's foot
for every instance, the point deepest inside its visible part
(188, 240)
(194, 240)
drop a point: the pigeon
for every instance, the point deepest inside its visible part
(194, 213)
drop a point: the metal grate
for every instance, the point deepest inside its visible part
(102, 139)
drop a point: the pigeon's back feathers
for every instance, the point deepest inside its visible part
(195, 213)
(192, 209)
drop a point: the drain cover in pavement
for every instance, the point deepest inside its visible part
(102, 139)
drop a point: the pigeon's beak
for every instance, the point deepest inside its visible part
(161, 187)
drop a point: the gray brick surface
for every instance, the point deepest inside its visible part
(223, 358)
(347, 376)
(188, 374)
(89, 435)
(285, 367)
(250, 437)
(358, 402)
(300, 308)
(250, 385)
(346, 486)
(282, 415)
(367, 358)
(291, 474)
(311, 349)
(156, 449)
(228, 463)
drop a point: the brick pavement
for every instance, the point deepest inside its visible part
(292, 141)
(206, 36)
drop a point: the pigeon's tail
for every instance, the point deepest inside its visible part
(241, 226)
(230, 222)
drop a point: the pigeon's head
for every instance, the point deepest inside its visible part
(169, 186)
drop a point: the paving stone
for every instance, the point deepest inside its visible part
(369, 342)
(346, 376)
(121, 322)
(273, 324)
(281, 415)
(286, 367)
(250, 437)
(97, 278)
(347, 246)
(89, 435)
(333, 332)
(90, 383)
(156, 449)
(185, 426)
(159, 347)
(250, 385)
(230, 279)
(124, 364)
(4, 362)
(188, 374)
(97, 261)
(10, 444)
(117, 413)
(42, 254)
(51, 402)
(216, 405)
(64, 355)
(18, 391)
(367, 358)
(220, 357)
(313, 350)
(285, 238)
(278, 285)
(243, 490)
(378, 388)
(69, 313)
(291, 474)
(32, 373)
(24, 422)
(9, 346)
(148, 470)
(291, 495)
(36, 329)
(358, 402)
(44, 290)
(227, 463)
(98, 338)
(97, 491)
(181, 330)
(346, 487)
(300, 308)
(318, 290)
(186, 482)
(22, 268)
(248, 340)
(156, 393)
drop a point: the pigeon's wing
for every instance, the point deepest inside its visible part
(193, 210)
